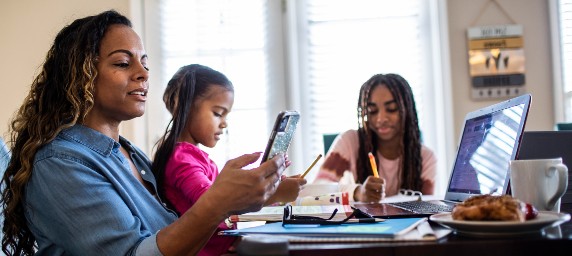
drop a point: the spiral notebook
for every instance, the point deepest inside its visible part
(489, 140)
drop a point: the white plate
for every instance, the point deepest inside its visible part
(501, 228)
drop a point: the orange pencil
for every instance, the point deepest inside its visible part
(373, 165)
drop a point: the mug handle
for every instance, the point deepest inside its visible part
(562, 172)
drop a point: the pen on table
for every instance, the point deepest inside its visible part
(365, 220)
(373, 165)
(312, 165)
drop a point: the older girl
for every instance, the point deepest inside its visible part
(389, 129)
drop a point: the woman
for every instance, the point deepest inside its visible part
(74, 186)
(389, 130)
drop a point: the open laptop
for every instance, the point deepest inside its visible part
(489, 139)
(549, 144)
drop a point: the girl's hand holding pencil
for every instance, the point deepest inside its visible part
(288, 190)
(289, 187)
(373, 189)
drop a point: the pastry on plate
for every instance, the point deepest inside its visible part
(494, 208)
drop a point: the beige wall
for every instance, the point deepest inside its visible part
(29, 26)
(27, 29)
(533, 16)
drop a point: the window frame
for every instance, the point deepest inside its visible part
(558, 85)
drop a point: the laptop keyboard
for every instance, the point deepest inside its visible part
(423, 206)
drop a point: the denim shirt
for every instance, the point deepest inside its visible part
(4, 160)
(4, 156)
(82, 198)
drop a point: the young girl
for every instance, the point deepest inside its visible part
(389, 129)
(199, 98)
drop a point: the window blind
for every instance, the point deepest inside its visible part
(229, 36)
(349, 41)
(307, 55)
(565, 20)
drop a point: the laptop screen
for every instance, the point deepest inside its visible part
(488, 141)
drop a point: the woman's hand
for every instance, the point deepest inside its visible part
(246, 190)
(371, 191)
(235, 191)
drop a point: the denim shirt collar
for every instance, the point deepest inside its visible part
(105, 146)
(94, 140)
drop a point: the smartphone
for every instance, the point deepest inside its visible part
(282, 133)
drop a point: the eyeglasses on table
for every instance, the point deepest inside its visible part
(290, 218)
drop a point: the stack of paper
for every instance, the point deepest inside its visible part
(276, 213)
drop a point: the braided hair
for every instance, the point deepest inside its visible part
(410, 146)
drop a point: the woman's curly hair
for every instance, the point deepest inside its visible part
(60, 96)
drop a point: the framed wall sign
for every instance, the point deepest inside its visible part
(496, 61)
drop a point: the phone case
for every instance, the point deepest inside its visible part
(282, 133)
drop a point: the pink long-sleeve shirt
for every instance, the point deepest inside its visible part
(188, 174)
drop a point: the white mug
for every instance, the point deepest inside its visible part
(540, 182)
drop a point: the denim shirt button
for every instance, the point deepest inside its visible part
(143, 172)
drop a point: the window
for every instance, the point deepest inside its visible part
(310, 55)
(349, 41)
(231, 37)
(561, 19)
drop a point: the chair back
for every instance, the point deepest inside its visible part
(563, 126)
(328, 140)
